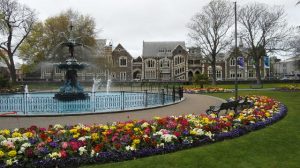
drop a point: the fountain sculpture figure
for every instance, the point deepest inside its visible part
(71, 90)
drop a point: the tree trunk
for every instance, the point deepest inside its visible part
(12, 69)
(257, 69)
(213, 66)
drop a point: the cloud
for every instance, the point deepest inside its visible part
(129, 22)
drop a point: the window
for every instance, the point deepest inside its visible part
(218, 74)
(113, 75)
(178, 59)
(123, 61)
(232, 74)
(164, 63)
(150, 63)
(232, 62)
(250, 61)
(48, 69)
(122, 76)
(251, 73)
(57, 70)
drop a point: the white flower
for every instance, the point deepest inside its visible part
(58, 126)
(81, 139)
(160, 145)
(23, 147)
(144, 125)
(130, 148)
(209, 134)
(92, 153)
(54, 155)
(9, 162)
(82, 150)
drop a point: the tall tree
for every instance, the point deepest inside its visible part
(43, 42)
(263, 29)
(16, 21)
(208, 29)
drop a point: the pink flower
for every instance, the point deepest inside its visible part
(64, 145)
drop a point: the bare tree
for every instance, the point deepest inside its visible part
(264, 29)
(15, 24)
(208, 29)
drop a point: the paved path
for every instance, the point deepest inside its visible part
(193, 103)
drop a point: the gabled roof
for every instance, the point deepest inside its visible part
(120, 48)
(151, 49)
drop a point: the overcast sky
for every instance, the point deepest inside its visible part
(130, 22)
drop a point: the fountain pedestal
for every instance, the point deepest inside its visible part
(71, 90)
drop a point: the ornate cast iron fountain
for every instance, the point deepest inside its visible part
(71, 90)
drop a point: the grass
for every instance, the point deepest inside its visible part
(275, 146)
(247, 86)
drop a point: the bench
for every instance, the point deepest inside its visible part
(232, 105)
(245, 103)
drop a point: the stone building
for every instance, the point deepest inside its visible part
(164, 61)
(121, 64)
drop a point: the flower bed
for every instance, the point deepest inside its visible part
(289, 88)
(71, 146)
(206, 90)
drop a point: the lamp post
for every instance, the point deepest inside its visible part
(235, 36)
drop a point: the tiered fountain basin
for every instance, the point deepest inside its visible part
(44, 103)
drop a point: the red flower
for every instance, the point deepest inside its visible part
(74, 146)
(98, 147)
(63, 154)
(29, 152)
(177, 134)
(43, 136)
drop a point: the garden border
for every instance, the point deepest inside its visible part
(116, 156)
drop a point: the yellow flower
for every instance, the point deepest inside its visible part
(113, 127)
(268, 114)
(76, 135)
(95, 136)
(5, 132)
(105, 127)
(28, 134)
(136, 141)
(193, 132)
(88, 129)
(157, 118)
(16, 134)
(1, 153)
(12, 153)
(136, 129)
(73, 131)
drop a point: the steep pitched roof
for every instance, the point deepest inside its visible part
(151, 49)
(120, 48)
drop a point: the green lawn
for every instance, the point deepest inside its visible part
(275, 146)
(247, 86)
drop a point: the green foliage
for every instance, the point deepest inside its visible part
(4, 82)
(200, 79)
(42, 42)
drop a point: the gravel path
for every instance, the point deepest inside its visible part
(193, 103)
